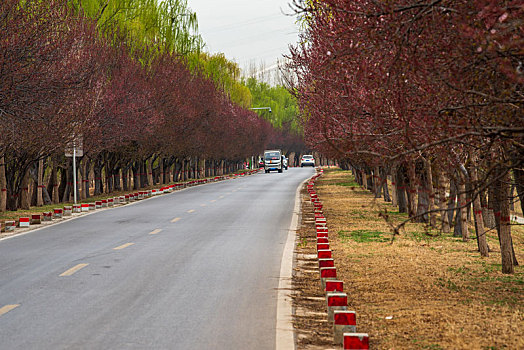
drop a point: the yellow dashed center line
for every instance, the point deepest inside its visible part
(123, 246)
(7, 308)
(203, 205)
(73, 270)
(154, 232)
(213, 200)
(175, 219)
(191, 210)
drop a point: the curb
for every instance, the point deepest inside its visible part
(343, 321)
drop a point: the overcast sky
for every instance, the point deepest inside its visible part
(246, 30)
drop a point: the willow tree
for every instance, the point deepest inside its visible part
(147, 26)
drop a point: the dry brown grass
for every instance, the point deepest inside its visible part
(438, 290)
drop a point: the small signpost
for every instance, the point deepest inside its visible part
(75, 149)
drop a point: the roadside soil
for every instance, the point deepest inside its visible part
(418, 290)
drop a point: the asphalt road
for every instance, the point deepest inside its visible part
(195, 269)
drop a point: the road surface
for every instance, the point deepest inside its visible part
(195, 269)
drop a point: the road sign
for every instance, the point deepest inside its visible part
(78, 145)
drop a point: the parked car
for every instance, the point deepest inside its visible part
(307, 160)
(261, 162)
(273, 160)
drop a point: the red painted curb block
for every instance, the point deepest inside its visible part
(110, 202)
(92, 206)
(344, 322)
(326, 263)
(24, 221)
(9, 225)
(104, 203)
(347, 318)
(58, 212)
(336, 301)
(98, 204)
(324, 254)
(68, 211)
(322, 246)
(328, 272)
(77, 208)
(322, 229)
(85, 207)
(322, 240)
(322, 234)
(356, 341)
(36, 219)
(47, 216)
(334, 286)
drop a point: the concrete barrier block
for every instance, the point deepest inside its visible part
(343, 322)
(24, 221)
(126, 197)
(322, 246)
(84, 207)
(322, 235)
(321, 229)
(322, 240)
(324, 254)
(326, 263)
(356, 341)
(98, 204)
(336, 301)
(334, 286)
(9, 225)
(327, 273)
(68, 210)
(104, 203)
(92, 206)
(110, 202)
(77, 208)
(47, 216)
(58, 212)
(36, 219)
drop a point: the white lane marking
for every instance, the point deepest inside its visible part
(285, 339)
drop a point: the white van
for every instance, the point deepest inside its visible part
(273, 160)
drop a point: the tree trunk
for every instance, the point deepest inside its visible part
(431, 193)
(412, 191)
(506, 244)
(394, 199)
(149, 169)
(97, 169)
(3, 186)
(463, 219)
(477, 210)
(384, 184)
(444, 217)
(40, 184)
(25, 198)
